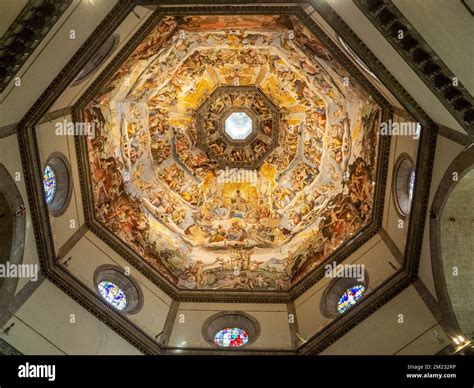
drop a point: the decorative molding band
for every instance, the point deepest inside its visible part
(436, 75)
(26, 32)
(234, 352)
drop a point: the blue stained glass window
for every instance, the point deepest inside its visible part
(350, 297)
(112, 294)
(49, 183)
(231, 336)
(411, 185)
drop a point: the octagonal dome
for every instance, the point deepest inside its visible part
(230, 155)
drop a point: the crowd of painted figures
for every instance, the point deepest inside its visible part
(159, 193)
(212, 138)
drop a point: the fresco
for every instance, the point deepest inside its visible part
(203, 226)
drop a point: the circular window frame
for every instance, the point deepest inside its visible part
(231, 319)
(399, 178)
(81, 78)
(334, 291)
(61, 167)
(128, 285)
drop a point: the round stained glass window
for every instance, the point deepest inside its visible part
(231, 337)
(112, 294)
(350, 297)
(359, 61)
(49, 183)
(411, 185)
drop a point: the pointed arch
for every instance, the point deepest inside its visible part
(445, 256)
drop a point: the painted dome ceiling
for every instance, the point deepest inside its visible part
(231, 152)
